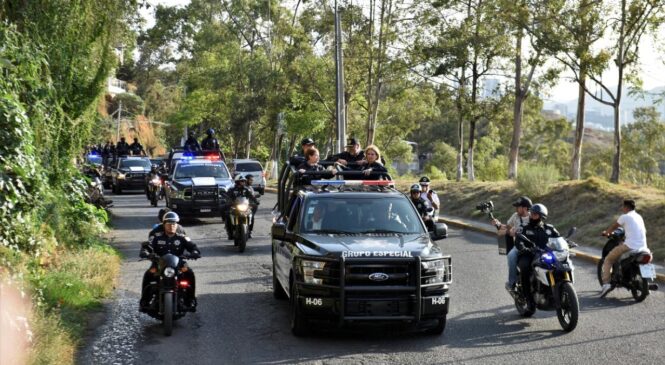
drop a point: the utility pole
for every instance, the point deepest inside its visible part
(339, 64)
(117, 135)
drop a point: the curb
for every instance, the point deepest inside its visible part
(582, 255)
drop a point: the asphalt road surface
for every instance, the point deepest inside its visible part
(239, 322)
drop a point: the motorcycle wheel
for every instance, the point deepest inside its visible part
(526, 307)
(569, 312)
(153, 199)
(168, 313)
(639, 286)
(240, 237)
(299, 326)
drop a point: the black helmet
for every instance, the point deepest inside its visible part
(424, 180)
(171, 217)
(136, 139)
(539, 209)
(306, 141)
(416, 188)
(210, 131)
(523, 201)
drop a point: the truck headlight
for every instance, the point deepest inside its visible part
(121, 176)
(435, 271)
(308, 268)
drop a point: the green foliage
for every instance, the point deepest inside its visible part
(398, 151)
(536, 180)
(434, 173)
(132, 104)
(444, 158)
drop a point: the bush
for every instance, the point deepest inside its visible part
(536, 180)
(493, 170)
(434, 173)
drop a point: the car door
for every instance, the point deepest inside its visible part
(285, 247)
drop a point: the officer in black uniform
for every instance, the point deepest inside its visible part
(537, 232)
(239, 190)
(122, 148)
(299, 158)
(162, 243)
(424, 208)
(191, 144)
(210, 142)
(136, 148)
(255, 207)
(352, 157)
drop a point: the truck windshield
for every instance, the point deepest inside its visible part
(136, 163)
(361, 215)
(248, 167)
(207, 170)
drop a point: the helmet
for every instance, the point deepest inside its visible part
(171, 217)
(523, 201)
(241, 178)
(424, 180)
(307, 141)
(416, 188)
(539, 209)
(210, 131)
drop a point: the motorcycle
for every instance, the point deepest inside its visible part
(170, 290)
(633, 270)
(95, 191)
(240, 215)
(550, 282)
(154, 189)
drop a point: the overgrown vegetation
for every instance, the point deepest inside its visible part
(55, 58)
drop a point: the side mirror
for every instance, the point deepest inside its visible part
(440, 232)
(278, 231)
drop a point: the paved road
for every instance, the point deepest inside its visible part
(238, 320)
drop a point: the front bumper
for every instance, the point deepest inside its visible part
(189, 208)
(131, 183)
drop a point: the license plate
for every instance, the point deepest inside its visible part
(648, 271)
(205, 210)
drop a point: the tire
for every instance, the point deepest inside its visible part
(639, 286)
(438, 329)
(153, 199)
(299, 325)
(168, 313)
(569, 312)
(526, 307)
(240, 237)
(277, 290)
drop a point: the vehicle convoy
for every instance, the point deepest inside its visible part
(129, 172)
(197, 187)
(550, 285)
(633, 271)
(356, 252)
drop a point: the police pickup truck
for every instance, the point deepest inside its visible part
(129, 172)
(355, 251)
(197, 187)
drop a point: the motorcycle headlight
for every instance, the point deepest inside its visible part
(156, 181)
(561, 255)
(308, 267)
(436, 270)
(169, 272)
(242, 207)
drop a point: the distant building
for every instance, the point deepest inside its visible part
(491, 88)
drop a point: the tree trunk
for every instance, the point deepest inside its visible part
(517, 110)
(248, 144)
(575, 173)
(460, 129)
(616, 161)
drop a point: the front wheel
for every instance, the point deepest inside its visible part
(569, 311)
(168, 313)
(240, 237)
(438, 329)
(639, 287)
(153, 198)
(299, 326)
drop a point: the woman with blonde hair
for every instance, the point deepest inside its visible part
(373, 157)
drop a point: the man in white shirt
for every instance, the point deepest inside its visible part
(429, 195)
(636, 240)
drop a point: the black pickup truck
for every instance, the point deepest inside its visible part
(352, 251)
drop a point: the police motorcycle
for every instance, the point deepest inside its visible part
(550, 282)
(154, 188)
(95, 187)
(169, 292)
(633, 270)
(240, 214)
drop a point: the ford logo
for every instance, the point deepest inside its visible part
(378, 276)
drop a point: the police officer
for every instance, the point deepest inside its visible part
(122, 147)
(299, 158)
(255, 207)
(191, 144)
(239, 190)
(136, 148)
(162, 243)
(210, 142)
(429, 195)
(422, 205)
(353, 155)
(537, 232)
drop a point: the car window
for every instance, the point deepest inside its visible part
(360, 215)
(293, 216)
(201, 170)
(135, 163)
(248, 167)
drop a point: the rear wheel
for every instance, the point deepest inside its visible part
(168, 313)
(639, 286)
(526, 307)
(570, 307)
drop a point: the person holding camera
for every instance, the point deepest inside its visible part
(430, 195)
(514, 225)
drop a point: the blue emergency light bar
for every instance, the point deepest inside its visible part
(351, 182)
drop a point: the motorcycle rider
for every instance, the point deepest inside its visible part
(122, 147)
(255, 207)
(636, 240)
(422, 205)
(136, 148)
(159, 227)
(162, 243)
(107, 152)
(154, 172)
(537, 232)
(210, 142)
(239, 190)
(515, 224)
(430, 195)
(191, 144)
(299, 158)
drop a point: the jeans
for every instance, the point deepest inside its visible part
(512, 266)
(610, 259)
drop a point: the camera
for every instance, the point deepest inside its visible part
(485, 207)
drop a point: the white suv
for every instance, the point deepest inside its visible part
(250, 167)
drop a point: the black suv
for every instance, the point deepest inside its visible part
(354, 251)
(129, 172)
(197, 187)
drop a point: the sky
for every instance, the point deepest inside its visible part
(652, 64)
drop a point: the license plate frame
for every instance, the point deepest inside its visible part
(648, 271)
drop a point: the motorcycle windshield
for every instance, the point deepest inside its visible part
(168, 260)
(557, 244)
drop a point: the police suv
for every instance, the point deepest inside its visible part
(355, 251)
(197, 187)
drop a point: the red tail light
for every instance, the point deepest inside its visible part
(645, 259)
(183, 283)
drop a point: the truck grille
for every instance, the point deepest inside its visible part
(207, 193)
(382, 274)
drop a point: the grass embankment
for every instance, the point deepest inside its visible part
(71, 281)
(590, 205)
